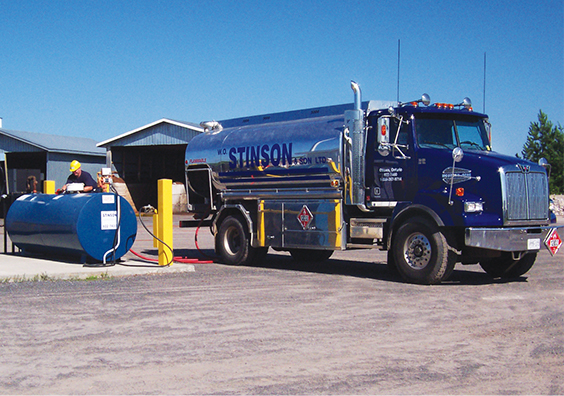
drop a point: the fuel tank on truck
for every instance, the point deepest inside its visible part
(95, 226)
(298, 153)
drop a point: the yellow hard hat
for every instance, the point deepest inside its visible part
(74, 165)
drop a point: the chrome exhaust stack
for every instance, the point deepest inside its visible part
(357, 95)
(354, 122)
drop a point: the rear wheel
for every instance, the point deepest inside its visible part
(233, 244)
(506, 267)
(310, 255)
(421, 252)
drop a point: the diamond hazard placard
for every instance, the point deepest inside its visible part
(305, 217)
(553, 241)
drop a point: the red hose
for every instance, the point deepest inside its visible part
(196, 241)
(175, 259)
(143, 257)
(181, 259)
(195, 261)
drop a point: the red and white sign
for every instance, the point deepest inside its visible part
(553, 241)
(305, 217)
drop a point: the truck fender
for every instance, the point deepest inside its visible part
(230, 208)
(225, 210)
(411, 211)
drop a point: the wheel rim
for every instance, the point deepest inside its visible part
(232, 241)
(417, 251)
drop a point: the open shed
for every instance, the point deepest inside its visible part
(149, 153)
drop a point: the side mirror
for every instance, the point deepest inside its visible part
(544, 163)
(466, 102)
(425, 99)
(384, 149)
(457, 154)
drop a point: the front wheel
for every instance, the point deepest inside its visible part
(506, 267)
(421, 252)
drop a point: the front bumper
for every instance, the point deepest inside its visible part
(517, 239)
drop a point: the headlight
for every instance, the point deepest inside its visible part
(473, 207)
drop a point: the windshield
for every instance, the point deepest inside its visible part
(469, 133)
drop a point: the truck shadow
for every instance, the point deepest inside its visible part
(378, 271)
(359, 269)
(462, 276)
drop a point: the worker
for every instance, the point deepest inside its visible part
(79, 176)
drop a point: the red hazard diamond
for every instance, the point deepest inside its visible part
(553, 242)
(305, 217)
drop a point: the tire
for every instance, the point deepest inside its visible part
(421, 252)
(232, 242)
(310, 255)
(391, 265)
(506, 267)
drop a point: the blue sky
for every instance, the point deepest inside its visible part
(96, 68)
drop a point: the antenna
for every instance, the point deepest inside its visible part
(398, 70)
(484, 99)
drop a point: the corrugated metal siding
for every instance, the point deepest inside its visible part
(9, 144)
(21, 141)
(58, 170)
(58, 166)
(163, 134)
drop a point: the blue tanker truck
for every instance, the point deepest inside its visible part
(416, 179)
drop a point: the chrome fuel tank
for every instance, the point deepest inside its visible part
(299, 153)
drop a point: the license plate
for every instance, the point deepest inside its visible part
(533, 244)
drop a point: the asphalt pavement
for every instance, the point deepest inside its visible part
(16, 266)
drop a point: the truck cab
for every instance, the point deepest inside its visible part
(433, 166)
(403, 146)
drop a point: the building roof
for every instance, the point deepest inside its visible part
(129, 138)
(21, 141)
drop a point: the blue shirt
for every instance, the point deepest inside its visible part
(84, 177)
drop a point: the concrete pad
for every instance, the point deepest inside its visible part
(16, 268)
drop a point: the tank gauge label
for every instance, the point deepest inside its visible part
(108, 199)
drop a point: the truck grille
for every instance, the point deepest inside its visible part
(526, 196)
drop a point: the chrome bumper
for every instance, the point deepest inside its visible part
(518, 239)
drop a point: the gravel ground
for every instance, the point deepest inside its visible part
(345, 327)
(558, 204)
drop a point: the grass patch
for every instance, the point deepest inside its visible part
(47, 278)
(36, 278)
(103, 276)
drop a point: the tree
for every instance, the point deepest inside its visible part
(546, 140)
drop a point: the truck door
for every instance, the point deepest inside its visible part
(393, 176)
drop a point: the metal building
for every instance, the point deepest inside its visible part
(47, 157)
(149, 153)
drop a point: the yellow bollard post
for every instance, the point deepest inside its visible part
(165, 221)
(49, 186)
(156, 228)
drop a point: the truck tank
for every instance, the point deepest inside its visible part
(298, 153)
(88, 226)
